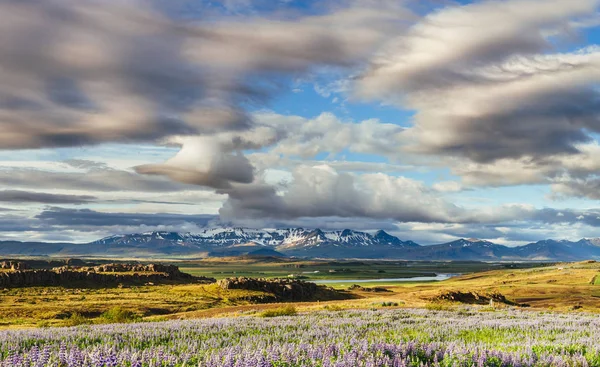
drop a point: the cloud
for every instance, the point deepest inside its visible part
(202, 161)
(573, 187)
(104, 180)
(322, 192)
(87, 218)
(447, 186)
(17, 196)
(218, 160)
(326, 133)
(569, 175)
(484, 84)
(77, 73)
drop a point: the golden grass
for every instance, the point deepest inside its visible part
(55, 305)
(563, 287)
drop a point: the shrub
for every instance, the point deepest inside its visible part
(43, 323)
(119, 315)
(76, 319)
(439, 306)
(385, 304)
(281, 311)
(333, 308)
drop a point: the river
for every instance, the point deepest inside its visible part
(438, 277)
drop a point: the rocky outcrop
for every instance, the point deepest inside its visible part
(13, 265)
(356, 287)
(172, 270)
(98, 276)
(284, 289)
(476, 298)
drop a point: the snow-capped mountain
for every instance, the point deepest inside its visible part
(288, 240)
(302, 242)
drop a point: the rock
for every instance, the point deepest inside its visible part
(99, 276)
(282, 289)
(356, 287)
(475, 298)
(13, 265)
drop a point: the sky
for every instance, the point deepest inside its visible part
(433, 120)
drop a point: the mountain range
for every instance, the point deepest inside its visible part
(300, 242)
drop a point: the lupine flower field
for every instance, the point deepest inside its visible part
(346, 338)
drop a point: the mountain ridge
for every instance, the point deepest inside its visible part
(303, 242)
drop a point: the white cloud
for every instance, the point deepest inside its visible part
(447, 186)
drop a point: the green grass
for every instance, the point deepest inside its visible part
(335, 270)
(281, 311)
(119, 315)
(597, 280)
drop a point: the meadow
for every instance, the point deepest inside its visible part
(561, 287)
(409, 337)
(256, 267)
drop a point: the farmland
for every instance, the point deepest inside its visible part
(343, 338)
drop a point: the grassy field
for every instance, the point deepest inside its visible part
(561, 287)
(56, 306)
(319, 270)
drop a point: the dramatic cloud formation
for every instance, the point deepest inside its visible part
(481, 87)
(408, 116)
(202, 161)
(86, 72)
(320, 192)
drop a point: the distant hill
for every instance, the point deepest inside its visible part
(300, 242)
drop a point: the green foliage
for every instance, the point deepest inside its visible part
(43, 323)
(385, 304)
(76, 319)
(119, 315)
(281, 311)
(439, 306)
(333, 308)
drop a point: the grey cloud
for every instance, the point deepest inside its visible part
(322, 192)
(539, 126)
(484, 84)
(79, 73)
(85, 164)
(324, 223)
(204, 161)
(76, 218)
(217, 160)
(568, 216)
(105, 180)
(18, 196)
(573, 187)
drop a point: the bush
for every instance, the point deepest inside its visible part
(43, 323)
(76, 319)
(119, 315)
(439, 306)
(333, 308)
(385, 304)
(281, 311)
